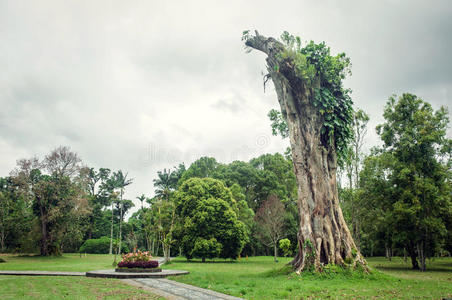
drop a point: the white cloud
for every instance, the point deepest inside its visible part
(144, 85)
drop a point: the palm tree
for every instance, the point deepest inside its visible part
(165, 184)
(120, 181)
(141, 198)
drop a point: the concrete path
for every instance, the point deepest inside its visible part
(173, 290)
(42, 273)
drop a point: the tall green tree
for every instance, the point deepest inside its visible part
(165, 222)
(120, 181)
(375, 201)
(99, 199)
(58, 198)
(165, 183)
(270, 219)
(207, 223)
(16, 217)
(201, 168)
(415, 137)
(351, 163)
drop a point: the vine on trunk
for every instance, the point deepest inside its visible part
(316, 113)
(318, 69)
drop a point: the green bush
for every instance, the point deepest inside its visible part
(101, 246)
(284, 245)
(206, 248)
(205, 209)
(2, 260)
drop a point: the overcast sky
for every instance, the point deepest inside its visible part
(144, 85)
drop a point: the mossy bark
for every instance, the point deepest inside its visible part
(323, 236)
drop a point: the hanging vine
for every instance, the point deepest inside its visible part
(324, 73)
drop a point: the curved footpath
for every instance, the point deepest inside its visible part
(169, 289)
(175, 290)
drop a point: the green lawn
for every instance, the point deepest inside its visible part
(49, 287)
(261, 278)
(438, 269)
(253, 278)
(53, 287)
(66, 262)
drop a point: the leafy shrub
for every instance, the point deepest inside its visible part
(284, 245)
(2, 260)
(101, 246)
(206, 248)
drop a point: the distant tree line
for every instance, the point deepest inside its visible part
(397, 200)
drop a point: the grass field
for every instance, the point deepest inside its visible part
(50, 287)
(53, 287)
(253, 278)
(66, 262)
(261, 278)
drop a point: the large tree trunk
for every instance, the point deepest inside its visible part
(2, 240)
(323, 236)
(413, 256)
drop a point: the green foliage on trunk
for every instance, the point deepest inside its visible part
(316, 69)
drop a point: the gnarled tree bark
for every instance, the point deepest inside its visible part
(323, 236)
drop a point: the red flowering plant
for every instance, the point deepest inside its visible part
(138, 259)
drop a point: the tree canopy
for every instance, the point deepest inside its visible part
(208, 223)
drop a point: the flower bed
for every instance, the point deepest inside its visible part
(138, 262)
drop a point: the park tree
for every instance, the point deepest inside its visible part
(375, 201)
(62, 162)
(149, 221)
(202, 167)
(318, 112)
(57, 195)
(16, 217)
(114, 188)
(207, 220)
(414, 135)
(165, 184)
(142, 198)
(351, 164)
(164, 225)
(98, 198)
(270, 221)
(120, 182)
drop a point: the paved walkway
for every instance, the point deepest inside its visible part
(42, 273)
(173, 290)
